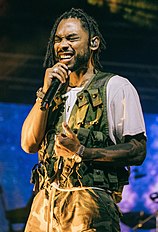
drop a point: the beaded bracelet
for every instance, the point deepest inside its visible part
(40, 94)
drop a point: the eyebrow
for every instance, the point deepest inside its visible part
(68, 36)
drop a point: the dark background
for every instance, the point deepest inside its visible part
(129, 28)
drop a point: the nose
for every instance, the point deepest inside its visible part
(64, 44)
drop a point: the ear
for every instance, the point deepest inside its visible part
(94, 44)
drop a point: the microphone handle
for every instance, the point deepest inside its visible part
(46, 101)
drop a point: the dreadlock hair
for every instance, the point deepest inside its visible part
(91, 27)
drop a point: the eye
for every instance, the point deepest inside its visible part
(73, 38)
(57, 39)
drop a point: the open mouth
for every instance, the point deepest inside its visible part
(65, 57)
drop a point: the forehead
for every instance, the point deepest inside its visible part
(70, 25)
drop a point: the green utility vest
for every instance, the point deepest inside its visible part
(88, 120)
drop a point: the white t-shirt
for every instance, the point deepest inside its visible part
(124, 111)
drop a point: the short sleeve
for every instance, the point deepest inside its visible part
(125, 114)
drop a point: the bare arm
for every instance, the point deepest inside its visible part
(131, 152)
(126, 154)
(33, 129)
(34, 126)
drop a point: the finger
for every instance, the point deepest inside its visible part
(65, 67)
(57, 150)
(69, 133)
(62, 140)
(58, 139)
(59, 73)
(62, 151)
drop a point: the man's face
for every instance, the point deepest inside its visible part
(71, 44)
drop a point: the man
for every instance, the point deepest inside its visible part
(86, 139)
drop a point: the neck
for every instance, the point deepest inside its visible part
(79, 79)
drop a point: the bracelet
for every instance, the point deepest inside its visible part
(40, 94)
(79, 154)
(80, 150)
(38, 99)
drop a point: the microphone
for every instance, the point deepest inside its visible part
(46, 101)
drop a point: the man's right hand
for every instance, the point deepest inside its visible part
(59, 71)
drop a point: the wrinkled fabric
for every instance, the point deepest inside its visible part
(73, 211)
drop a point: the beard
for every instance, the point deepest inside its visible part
(81, 62)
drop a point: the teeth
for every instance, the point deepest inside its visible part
(65, 56)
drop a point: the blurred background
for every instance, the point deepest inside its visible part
(130, 28)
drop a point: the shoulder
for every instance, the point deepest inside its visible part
(119, 81)
(118, 84)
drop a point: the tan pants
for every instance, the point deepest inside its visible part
(73, 211)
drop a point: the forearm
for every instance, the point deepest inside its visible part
(33, 129)
(126, 154)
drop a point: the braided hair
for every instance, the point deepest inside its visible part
(91, 27)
